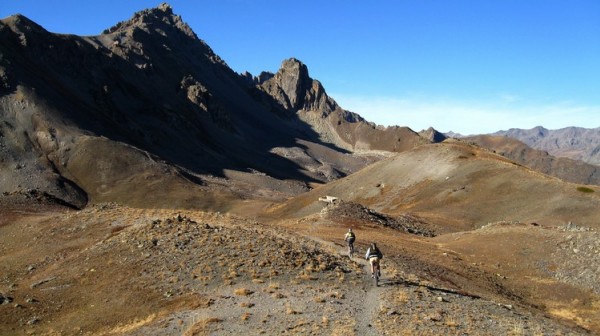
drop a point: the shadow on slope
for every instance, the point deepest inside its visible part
(152, 84)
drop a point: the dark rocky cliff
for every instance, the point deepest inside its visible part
(145, 103)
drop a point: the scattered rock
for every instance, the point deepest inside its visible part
(33, 320)
(5, 299)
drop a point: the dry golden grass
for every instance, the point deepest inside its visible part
(121, 329)
(537, 331)
(319, 299)
(278, 296)
(343, 327)
(401, 297)
(245, 316)
(451, 321)
(201, 327)
(517, 328)
(242, 291)
(291, 311)
(306, 276)
(337, 295)
(565, 313)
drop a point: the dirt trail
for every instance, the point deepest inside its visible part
(370, 306)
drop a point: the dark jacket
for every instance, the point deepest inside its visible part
(375, 253)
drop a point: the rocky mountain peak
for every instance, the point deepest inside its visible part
(22, 27)
(541, 131)
(294, 70)
(293, 79)
(293, 88)
(22, 22)
(433, 135)
(151, 32)
(256, 80)
(160, 19)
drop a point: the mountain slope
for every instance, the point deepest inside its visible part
(569, 170)
(455, 187)
(503, 231)
(152, 87)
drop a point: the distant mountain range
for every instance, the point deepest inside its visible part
(575, 143)
(572, 142)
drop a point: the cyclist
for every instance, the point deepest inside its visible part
(373, 255)
(349, 238)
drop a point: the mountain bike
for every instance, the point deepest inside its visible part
(350, 247)
(377, 273)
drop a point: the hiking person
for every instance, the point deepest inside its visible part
(373, 255)
(349, 238)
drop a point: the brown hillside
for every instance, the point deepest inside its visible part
(567, 169)
(457, 187)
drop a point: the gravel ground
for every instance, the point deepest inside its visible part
(123, 271)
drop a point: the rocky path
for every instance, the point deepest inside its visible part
(370, 307)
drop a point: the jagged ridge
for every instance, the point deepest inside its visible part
(162, 94)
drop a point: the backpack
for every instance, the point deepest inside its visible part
(375, 253)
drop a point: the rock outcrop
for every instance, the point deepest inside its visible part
(298, 96)
(294, 90)
(433, 135)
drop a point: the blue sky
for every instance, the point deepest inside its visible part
(463, 66)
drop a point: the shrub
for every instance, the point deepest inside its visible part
(585, 189)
